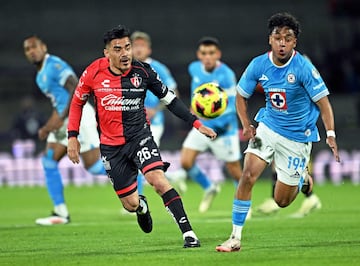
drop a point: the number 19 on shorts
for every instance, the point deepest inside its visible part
(296, 163)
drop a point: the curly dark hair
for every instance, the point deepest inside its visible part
(116, 33)
(284, 20)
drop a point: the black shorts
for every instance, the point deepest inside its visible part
(122, 163)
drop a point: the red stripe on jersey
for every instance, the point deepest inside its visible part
(127, 189)
(174, 198)
(143, 69)
(152, 165)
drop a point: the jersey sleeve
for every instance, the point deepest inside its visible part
(155, 85)
(313, 82)
(247, 83)
(80, 96)
(60, 71)
(165, 75)
(229, 82)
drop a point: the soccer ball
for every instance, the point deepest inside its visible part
(209, 101)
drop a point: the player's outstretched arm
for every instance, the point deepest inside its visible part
(73, 150)
(327, 117)
(249, 131)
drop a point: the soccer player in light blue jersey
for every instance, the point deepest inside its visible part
(209, 68)
(295, 95)
(57, 80)
(141, 42)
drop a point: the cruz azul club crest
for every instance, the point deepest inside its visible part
(278, 99)
(136, 81)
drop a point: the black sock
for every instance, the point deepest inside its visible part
(174, 206)
(273, 183)
(308, 194)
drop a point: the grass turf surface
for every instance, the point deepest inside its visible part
(100, 235)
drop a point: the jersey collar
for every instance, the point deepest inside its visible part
(285, 65)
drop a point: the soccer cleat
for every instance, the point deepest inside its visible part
(178, 180)
(53, 219)
(124, 211)
(144, 219)
(269, 206)
(191, 242)
(309, 204)
(230, 245)
(208, 198)
(181, 186)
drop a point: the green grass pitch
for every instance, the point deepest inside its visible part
(100, 235)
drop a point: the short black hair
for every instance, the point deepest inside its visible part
(118, 32)
(34, 36)
(284, 20)
(208, 40)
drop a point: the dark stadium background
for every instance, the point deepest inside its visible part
(73, 30)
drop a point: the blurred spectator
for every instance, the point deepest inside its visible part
(28, 121)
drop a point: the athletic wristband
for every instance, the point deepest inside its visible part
(72, 134)
(197, 124)
(330, 133)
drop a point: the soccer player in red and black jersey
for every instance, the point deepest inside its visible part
(118, 84)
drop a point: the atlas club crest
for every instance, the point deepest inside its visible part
(136, 81)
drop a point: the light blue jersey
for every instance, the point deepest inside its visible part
(227, 123)
(290, 94)
(51, 80)
(151, 101)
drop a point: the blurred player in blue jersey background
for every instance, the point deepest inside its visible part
(295, 97)
(57, 80)
(210, 68)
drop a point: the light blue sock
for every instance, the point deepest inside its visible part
(236, 183)
(301, 182)
(240, 211)
(53, 178)
(199, 177)
(140, 184)
(97, 168)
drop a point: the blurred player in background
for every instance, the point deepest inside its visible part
(141, 43)
(209, 68)
(57, 80)
(119, 84)
(295, 97)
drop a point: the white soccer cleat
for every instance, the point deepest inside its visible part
(178, 180)
(269, 206)
(208, 197)
(308, 205)
(230, 245)
(124, 211)
(53, 219)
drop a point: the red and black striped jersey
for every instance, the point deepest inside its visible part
(119, 99)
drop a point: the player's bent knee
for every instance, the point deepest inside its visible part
(157, 179)
(247, 179)
(282, 203)
(130, 203)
